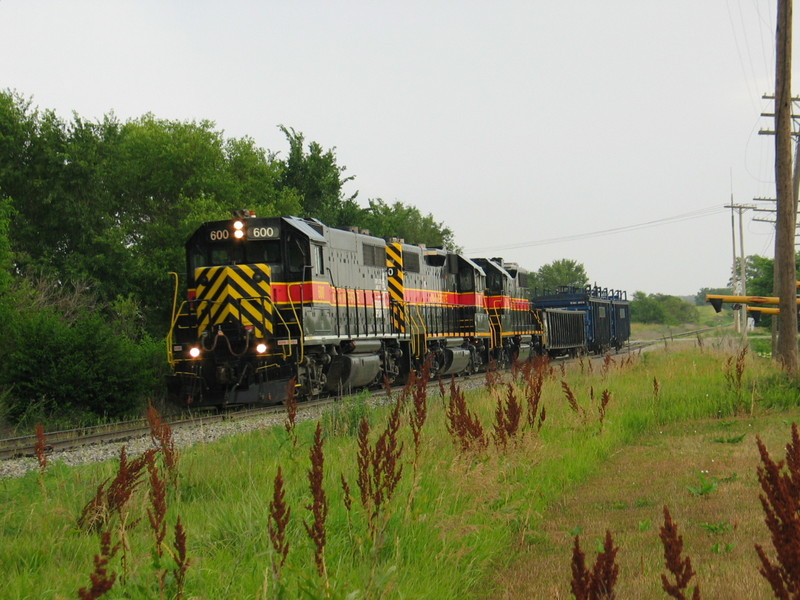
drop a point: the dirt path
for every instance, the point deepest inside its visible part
(720, 520)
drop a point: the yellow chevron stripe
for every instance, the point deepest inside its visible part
(215, 281)
(394, 252)
(394, 261)
(220, 297)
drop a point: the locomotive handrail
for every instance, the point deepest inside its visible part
(375, 312)
(263, 301)
(497, 334)
(414, 326)
(288, 333)
(397, 312)
(417, 345)
(170, 353)
(300, 344)
(411, 323)
(173, 320)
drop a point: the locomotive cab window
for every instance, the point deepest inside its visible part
(494, 281)
(198, 259)
(220, 254)
(319, 260)
(296, 254)
(466, 280)
(263, 252)
(236, 254)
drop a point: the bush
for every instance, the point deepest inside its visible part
(83, 368)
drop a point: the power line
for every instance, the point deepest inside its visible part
(697, 214)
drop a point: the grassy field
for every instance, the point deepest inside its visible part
(704, 471)
(707, 318)
(433, 503)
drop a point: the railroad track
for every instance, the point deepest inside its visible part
(25, 446)
(69, 439)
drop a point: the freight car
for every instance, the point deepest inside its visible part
(564, 331)
(283, 301)
(606, 315)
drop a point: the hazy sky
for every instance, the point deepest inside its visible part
(525, 126)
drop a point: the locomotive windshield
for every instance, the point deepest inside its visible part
(466, 280)
(233, 253)
(297, 250)
(495, 280)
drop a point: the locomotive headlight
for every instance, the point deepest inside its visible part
(261, 347)
(238, 229)
(194, 351)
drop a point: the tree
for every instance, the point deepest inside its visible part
(646, 309)
(6, 262)
(406, 222)
(662, 309)
(563, 271)
(316, 177)
(700, 296)
(5, 245)
(111, 203)
(759, 272)
(171, 176)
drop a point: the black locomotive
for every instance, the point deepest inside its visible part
(281, 301)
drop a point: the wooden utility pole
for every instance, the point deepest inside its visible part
(785, 286)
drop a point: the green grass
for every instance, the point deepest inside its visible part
(449, 526)
(707, 318)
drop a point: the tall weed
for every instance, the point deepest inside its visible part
(344, 419)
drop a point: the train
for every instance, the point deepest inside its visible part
(279, 306)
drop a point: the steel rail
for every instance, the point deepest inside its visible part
(69, 439)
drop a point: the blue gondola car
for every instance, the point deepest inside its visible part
(621, 319)
(607, 314)
(564, 332)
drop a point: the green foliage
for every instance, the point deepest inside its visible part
(67, 359)
(663, 309)
(5, 246)
(720, 548)
(704, 487)
(112, 203)
(563, 271)
(345, 416)
(759, 272)
(733, 439)
(403, 221)
(316, 177)
(717, 528)
(700, 297)
(84, 368)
